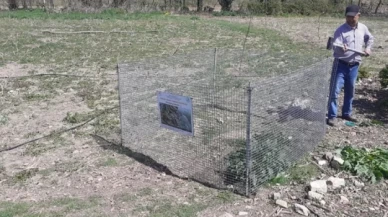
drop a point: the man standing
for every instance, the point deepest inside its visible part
(351, 34)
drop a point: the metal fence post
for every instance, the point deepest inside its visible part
(215, 69)
(120, 105)
(248, 141)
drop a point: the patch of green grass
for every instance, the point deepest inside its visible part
(23, 175)
(31, 135)
(280, 179)
(74, 204)
(21, 83)
(371, 123)
(109, 162)
(54, 141)
(226, 197)
(107, 124)
(52, 84)
(3, 119)
(45, 172)
(9, 209)
(377, 122)
(90, 92)
(167, 209)
(75, 117)
(35, 97)
(202, 192)
(67, 167)
(124, 197)
(144, 192)
(301, 173)
(37, 148)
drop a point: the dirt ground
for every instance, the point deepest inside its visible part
(78, 173)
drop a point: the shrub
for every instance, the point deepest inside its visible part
(383, 75)
(363, 73)
(269, 157)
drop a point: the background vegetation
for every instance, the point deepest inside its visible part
(270, 7)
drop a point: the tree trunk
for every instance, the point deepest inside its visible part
(199, 5)
(116, 3)
(359, 3)
(24, 3)
(226, 5)
(378, 5)
(12, 4)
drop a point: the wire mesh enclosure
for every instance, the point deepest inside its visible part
(251, 120)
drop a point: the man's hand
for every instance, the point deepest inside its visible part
(345, 48)
(367, 52)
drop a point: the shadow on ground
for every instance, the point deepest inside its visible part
(373, 105)
(143, 159)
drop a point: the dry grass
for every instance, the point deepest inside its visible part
(79, 174)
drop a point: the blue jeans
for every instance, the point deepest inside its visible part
(342, 76)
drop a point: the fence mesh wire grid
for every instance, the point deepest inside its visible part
(253, 115)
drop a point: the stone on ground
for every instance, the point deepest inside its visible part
(302, 210)
(282, 203)
(318, 186)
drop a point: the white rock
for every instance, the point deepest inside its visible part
(344, 200)
(226, 215)
(336, 182)
(322, 202)
(302, 210)
(318, 186)
(358, 184)
(282, 203)
(336, 162)
(315, 196)
(322, 162)
(242, 213)
(275, 196)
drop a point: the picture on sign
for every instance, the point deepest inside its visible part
(176, 113)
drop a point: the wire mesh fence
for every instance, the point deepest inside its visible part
(250, 121)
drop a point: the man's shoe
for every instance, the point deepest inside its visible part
(349, 118)
(331, 122)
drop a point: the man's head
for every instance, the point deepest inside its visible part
(352, 15)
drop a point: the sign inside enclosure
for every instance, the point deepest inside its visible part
(176, 113)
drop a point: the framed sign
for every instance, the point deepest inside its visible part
(176, 113)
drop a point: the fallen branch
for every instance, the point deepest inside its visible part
(312, 211)
(60, 132)
(48, 74)
(96, 32)
(319, 167)
(319, 206)
(274, 211)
